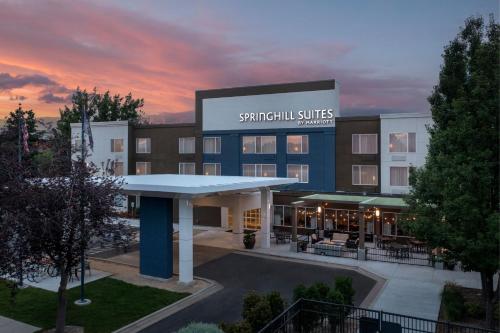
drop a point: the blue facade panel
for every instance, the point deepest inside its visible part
(156, 243)
(321, 156)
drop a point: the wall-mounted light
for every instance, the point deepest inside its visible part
(377, 212)
(319, 209)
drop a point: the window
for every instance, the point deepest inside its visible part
(117, 145)
(187, 169)
(251, 219)
(118, 168)
(143, 145)
(211, 145)
(399, 176)
(142, 168)
(300, 171)
(187, 145)
(364, 144)
(259, 145)
(259, 170)
(402, 142)
(364, 175)
(211, 169)
(297, 144)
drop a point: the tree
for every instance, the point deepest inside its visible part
(12, 122)
(102, 107)
(53, 218)
(454, 195)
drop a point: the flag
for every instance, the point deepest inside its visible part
(86, 128)
(26, 136)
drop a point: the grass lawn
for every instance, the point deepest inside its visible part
(114, 304)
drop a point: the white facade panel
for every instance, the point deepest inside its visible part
(103, 132)
(272, 111)
(402, 123)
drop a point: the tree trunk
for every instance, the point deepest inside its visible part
(488, 297)
(61, 301)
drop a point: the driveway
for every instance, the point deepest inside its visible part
(240, 273)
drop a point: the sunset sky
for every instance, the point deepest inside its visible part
(384, 54)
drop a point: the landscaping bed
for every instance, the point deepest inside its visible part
(463, 306)
(114, 304)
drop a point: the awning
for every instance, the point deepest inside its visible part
(192, 186)
(386, 202)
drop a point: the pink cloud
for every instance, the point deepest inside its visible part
(85, 44)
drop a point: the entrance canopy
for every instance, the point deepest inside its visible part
(193, 186)
(386, 202)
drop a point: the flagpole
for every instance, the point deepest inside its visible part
(82, 300)
(19, 153)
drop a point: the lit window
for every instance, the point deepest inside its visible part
(364, 144)
(116, 145)
(399, 176)
(259, 170)
(364, 175)
(259, 145)
(300, 171)
(142, 168)
(297, 144)
(143, 145)
(211, 169)
(118, 168)
(187, 145)
(187, 169)
(211, 145)
(402, 142)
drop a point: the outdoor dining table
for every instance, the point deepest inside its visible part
(399, 250)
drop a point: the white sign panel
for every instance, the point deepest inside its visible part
(272, 111)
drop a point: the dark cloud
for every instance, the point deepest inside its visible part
(17, 98)
(9, 82)
(51, 92)
(51, 98)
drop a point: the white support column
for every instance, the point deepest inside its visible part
(237, 216)
(185, 241)
(224, 217)
(266, 201)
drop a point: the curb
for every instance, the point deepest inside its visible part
(169, 310)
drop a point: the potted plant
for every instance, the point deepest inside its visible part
(249, 240)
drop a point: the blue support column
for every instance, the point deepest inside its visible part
(156, 251)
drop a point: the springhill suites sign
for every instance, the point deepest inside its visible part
(302, 109)
(301, 117)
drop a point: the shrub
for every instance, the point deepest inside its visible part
(453, 301)
(474, 310)
(344, 286)
(276, 302)
(259, 310)
(200, 328)
(239, 327)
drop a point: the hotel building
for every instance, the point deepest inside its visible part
(294, 130)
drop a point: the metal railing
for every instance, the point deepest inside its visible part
(400, 255)
(306, 316)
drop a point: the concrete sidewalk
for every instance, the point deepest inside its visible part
(8, 325)
(409, 290)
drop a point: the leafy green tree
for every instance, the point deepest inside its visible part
(454, 195)
(102, 107)
(12, 122)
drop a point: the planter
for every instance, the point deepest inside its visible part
(249, 241)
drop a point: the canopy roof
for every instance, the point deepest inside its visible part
(359, 199)
(186, 186)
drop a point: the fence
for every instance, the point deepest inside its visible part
(400, 255)
(306, 316)
(327, 250)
